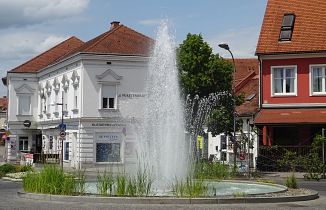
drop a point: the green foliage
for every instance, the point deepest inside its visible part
(26, 168)
(312, 163)
(290, 159)
(80, 181)
(214, 170)
(105, 183)
(121, 185)
(291, 182)
(50, 180)
(201, 72)
(8, 168)
(189, 188)
(239, 194)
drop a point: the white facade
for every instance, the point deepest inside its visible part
(221, 147)
(101, 95)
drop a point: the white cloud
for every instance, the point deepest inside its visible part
(18, 13)
(242, 42)
(21, 46)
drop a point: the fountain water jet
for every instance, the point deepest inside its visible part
(162, 147)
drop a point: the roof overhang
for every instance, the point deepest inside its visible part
(291, 116)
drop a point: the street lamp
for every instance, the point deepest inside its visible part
(61, 129)
(226, 47)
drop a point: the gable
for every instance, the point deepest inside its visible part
(108, 76)
(24, 89)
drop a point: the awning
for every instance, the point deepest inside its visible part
(296, 116)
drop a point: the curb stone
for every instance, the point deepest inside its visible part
(167, 200)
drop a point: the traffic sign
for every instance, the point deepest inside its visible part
(62, 127)
(62, 134)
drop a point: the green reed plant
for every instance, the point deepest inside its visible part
(189, 188)
(50, 180)
(80, 180)
(121, 185)
(105, 183)
(291, 182)
(144, 182)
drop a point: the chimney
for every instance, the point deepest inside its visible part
(114, 24)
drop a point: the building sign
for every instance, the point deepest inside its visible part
(132, 95)
(107, 137)
(107, 124)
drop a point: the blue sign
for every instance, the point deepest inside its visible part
(62, 127)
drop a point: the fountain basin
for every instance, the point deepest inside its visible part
(219, 188)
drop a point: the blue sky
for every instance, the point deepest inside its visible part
(29, 27)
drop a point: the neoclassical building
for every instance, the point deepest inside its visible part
(95, 86)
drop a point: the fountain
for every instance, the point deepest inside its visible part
(162, 146)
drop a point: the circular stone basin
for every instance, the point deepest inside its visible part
(226, 188)
(219, 188)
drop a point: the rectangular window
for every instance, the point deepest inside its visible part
(107, 152)
(75, 98)
(284, 81)
(108, 148)
(109, 94)
(317, 81)
(23, 143)
(24, 105)
(48, 102)
(56, 107)
(287, 27)
(66, 151)
(65, 100)
(223, 142)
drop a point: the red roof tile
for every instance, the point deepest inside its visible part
(3, 104)
(50, 56)
(284, 116)
(247, 84)
(309, 27)
(119, 40)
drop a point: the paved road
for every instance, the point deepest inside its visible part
(10, 200)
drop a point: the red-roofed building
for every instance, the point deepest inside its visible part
(292, 54)
(246, 85)
(91, 87)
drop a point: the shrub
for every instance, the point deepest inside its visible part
(214, 170)
(291, 182)
(7, 168)
(26, 168)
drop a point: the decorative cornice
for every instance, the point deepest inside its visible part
(109, 72)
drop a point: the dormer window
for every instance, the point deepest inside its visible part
(287, 27)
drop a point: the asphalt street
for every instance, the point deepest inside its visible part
(10, 200)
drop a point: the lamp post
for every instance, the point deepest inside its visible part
(61, 130)
(226, 47)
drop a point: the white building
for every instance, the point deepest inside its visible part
(97, 87)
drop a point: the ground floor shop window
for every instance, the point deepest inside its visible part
(108, 152)
(108, 147)
(23, 143)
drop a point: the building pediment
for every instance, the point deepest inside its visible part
(24, 89)
(108, 75)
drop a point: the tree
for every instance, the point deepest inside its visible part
(201, 73)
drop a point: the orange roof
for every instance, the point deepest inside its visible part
(284, 116)
(247, 82)
(50, 56)
(309, 27)
(118, 40)
(3, 104)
